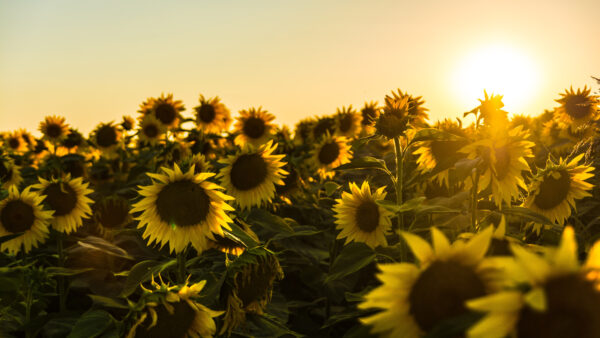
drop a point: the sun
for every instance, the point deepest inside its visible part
(499, 69)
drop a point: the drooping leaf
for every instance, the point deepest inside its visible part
(100, 244)
(352, 258)
(91, 324)
(365, 162)
(404, 207)
(330, 187)
(269, 221)
(142, 272)
(527, 214)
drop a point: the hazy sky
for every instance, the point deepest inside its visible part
(94, 61)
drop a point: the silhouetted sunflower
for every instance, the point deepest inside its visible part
(182, 208)
(302, 131)
(370, 113)
(329, 153)
(416, 298)
(348, 122)
(172, 311)
(151, 130)
(491, 113)
(577, 108)
(251, 174)
(254, 127)
(10, 174)
(323, 126)
(74, 142)
(21, 212)
(556, 296)
(554, 189)
(360, 218)
(416, 112)
(68, 199)
(54, 128)
(107, 138)
(111, 213)
(212, 115)
(395, 118)
(128, 123)
(166, 110)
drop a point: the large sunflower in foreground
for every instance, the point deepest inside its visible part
(329, 153)
(503, 161)
(211, 115)
(172, 311)
(552, 296)
(165, 109)
(68, 199)
(254, 127)
(250, 175)
(348, 122)
(416, 298)
(21, 212)
(182, 208)
(577, 108)
(360, 218)
(554, 189)
(54, 128)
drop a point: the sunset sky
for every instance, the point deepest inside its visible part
(95, 61)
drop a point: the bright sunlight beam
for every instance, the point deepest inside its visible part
(499, 69)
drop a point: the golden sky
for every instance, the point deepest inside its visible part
(95, 61)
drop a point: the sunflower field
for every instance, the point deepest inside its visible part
(364, 223)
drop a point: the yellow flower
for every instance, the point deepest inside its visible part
(254, 127)
(321, 127)
(551, 296)
(360, 218)
(212, 115)
(165, 109)
(10, 174)
(370, 113)
(250, 175)
(21, 212)
(151, 130)
(491, 113)
(416, 298)
(348, 122)
(182, 208)
(111, 213)
(68, 199)
(54, 128)
(577, 108)
(554, 189)
(107, 137)
(15, 142)
(303, 131)
(329, 153)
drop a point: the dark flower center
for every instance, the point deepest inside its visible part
(14, 142)
(367, 216)
(166, 113)
(254, 127)
(329, 153)
(369, 115)
(106, 136)
(578, 107)
(183, 203)
(207, 113)
(53, 130)
(499, 247)
(346, 122)
(248, 171)
(112, 213)
(254, 283)
(61, 198)
(502, 162)
(73, 140)
(174, 325)
(17, 216)
(553, 191)
(441, 291)
(326, 124)
(573, 310)
(390, 125)
(150, 130)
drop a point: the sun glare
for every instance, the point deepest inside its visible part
(500, 70)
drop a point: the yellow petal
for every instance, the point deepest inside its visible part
(420, 248)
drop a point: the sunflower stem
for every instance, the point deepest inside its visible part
(181, 260)
(474, 199)
(400, 189)
(28, 303)
(62, 296)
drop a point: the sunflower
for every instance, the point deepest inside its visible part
(416, 111)
(15, 142)
(200, 164)
(491, 113)
(370, 113)
(164, 109)
(128, 123)
(28, 138)
(68, 199)
(182, 208)
(322, 127)
(212, 115)
(177, 152)
(554, 189)
(22, 213)
(107, 138)
(54, 128)
(74, 142)
(360, 218)
(251, 174)
(171, 311)
(502, 163)
(111, 213)
(254, 127)
(395, 118)
(228, 244)
(348, 122)
(416, 298)
(552, 296)
(303, 130)
(10, 174)
(440, 156)
(577, 108)
(329, 153)
(151, 130)
(248, 286)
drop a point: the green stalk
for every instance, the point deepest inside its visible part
(181, 271)
(28, 303)
(399, 178)
(62, 296)
(474, 200)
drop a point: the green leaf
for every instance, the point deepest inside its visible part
(91, 324)
(365, 162)
(9, 284)
(100, 244)
(404, 207)
(269, 221)
(432, 134)
(108, 302)
(59, 271)
(242, 235)
(527, 214)
(352, 258)
(330, 187)
(142, 272)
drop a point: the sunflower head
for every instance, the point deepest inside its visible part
(577, 108)
(348, 122)
(323, 126)
(394, 120)
(21, 212)
(54, 128)
(14, 142)
(251, 174)
(490, 110)
(74, 140)
(128, 123)
(329, 153)
(111, 213)
(151, 130)
(107, 137)
(182, 208)
(211, 115)
(416, 112)
(166, 110)
(254, 127)
(360, 218)
(177, 152)
(248, 286)
(303, 131)
(228, 244)
(370, 112)
(10, 173)
(554, 189)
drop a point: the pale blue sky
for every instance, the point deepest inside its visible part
(94, 61)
